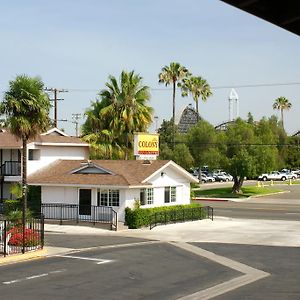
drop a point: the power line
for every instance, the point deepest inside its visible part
(241, 144)
(213, 87)
(217, 87)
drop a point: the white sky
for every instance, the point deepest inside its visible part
(76, 45)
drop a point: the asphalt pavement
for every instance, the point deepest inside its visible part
(228, 258)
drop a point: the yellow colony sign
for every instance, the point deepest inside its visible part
(146, 144)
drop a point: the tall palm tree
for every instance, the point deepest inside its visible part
(173, 74)
(124, 110)
(26, 107)
(96, 132)
(282, 104)
(197, 87)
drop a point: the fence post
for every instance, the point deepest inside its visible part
(42, 224)
(4, 239)
(94, 215)
(165, 217)
(61, 211)
(77, 214)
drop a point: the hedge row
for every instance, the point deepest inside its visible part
(139, 217)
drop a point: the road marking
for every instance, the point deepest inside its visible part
(293, 213)
(122, 245)
(250, 274)
(33, 277)
(99, 261)
(37, 276)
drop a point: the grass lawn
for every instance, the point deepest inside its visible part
(225, 192)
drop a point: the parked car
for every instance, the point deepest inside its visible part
(222, 176)
(276, 175)
(206, 178)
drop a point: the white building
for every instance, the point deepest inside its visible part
(42, 151)
(113, 183)
(59, 164)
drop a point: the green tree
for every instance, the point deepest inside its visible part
(248, 152)
(293, 153)
(282, 104)
(197, 87)
(166, 133)
(281, 136)
(165, 153)
(121, 111)
(182, 156)
(26, 107)
(203, 142)
(104, 142)
(173, 74)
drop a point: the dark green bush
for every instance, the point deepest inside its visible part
(136, 218)
(11, 205)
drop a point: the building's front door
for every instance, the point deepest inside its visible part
(85, 200)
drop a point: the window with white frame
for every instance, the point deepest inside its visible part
(108, 197)
(170, 194)
(146, 196)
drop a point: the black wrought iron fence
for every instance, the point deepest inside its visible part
(182, 215)
(78, 213)
(16, 238)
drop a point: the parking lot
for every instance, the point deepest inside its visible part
(228, 258)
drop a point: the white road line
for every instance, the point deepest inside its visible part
(118, 246)
(37, 276)
(99, 261)
(250, 274)
(33, 277)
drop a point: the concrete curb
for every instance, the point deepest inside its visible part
(236, 199)
(15, 258)
(270, 194)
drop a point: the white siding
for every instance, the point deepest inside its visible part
(50, 154)
(69, 195)
(170, 178)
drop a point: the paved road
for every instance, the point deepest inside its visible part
(170, 262)
(283, 263)
(284, 206)
(152, 271)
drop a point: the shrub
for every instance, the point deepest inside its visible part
(11, 205)
(136, 218)
(32, 238)
(15, 216)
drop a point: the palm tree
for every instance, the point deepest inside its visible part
(197, 87)
(282, 104)
(173, 74)
(122, 111)
(26, 107)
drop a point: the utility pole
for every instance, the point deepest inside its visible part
(156, 121)
(76, 117)
(55, 99)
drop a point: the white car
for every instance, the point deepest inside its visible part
(276, 175)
